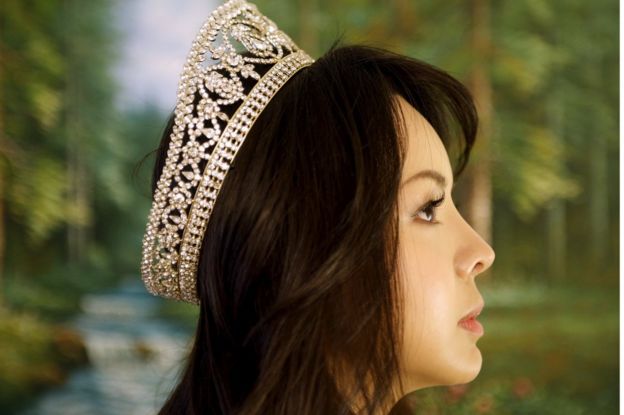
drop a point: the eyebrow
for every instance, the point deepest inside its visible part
(431, 174)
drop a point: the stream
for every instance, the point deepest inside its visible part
(135, 357)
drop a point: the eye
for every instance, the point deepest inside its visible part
(429, 209)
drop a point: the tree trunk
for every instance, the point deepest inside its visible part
(79, 192)
(404, 18)
(598, 200)
(556, 212)
(2, 216)
(479, 198)
(2, 181)
(308, 35)
(77, 172)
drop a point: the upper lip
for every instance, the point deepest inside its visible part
(474, 312)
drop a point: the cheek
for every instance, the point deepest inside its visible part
(426, 279)
(425, 291)
(429, 305)
(429, 309)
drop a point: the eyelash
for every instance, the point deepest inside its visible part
(432, 204)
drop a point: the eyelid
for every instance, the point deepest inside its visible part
(432, 203)
(437, 197)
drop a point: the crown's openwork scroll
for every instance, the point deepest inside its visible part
(231, 44)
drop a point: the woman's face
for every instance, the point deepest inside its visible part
(440, 256)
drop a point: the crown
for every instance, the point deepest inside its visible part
(229, 48)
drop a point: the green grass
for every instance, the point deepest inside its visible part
(545, 351)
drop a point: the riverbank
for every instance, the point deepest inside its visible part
(38, 350)
(134, 354)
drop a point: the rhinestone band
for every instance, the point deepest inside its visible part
(185, 196)
(233, 137)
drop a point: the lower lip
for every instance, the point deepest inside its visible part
(472, 325)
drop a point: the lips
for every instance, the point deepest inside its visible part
(470, 322)
(473, 313)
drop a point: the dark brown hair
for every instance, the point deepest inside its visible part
(297, 278)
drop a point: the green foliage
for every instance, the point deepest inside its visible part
(34, 355)
(55, 293)
(123, 169)
(39, 199)
(544, 67)
(535, 168)
(57, 119)
(76, 91)
(32, 66)
(526, 61)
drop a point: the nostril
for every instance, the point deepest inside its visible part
(479, 268)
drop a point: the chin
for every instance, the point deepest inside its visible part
(469, 372)
(462, 375)
(468, 378)
(455, 373)
(453, 379)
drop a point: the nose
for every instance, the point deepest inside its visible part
(475, 254)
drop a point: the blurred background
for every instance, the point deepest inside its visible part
(86, 88)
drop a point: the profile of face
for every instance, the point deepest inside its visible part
(440, 256)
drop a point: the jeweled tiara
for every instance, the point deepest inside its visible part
(235, 38)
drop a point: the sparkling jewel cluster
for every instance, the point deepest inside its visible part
(204, 139)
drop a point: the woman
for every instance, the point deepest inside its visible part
(335, 268)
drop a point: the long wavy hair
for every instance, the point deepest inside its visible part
(301, 304)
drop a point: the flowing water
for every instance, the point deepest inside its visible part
(135, 357)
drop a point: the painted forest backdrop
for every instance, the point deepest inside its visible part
(542, 185)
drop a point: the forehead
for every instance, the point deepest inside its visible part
(425, 149)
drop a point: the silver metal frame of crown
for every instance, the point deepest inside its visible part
(184, 195)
